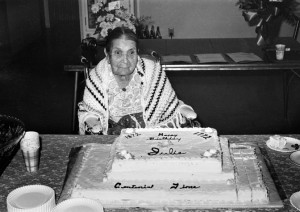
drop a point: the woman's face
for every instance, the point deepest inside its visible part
(123, 56)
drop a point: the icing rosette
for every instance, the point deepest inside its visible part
(211, 153)
(124, 155)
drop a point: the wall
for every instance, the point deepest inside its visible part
(4, 39)
(24, 22)
(64, 20)
(200, 18)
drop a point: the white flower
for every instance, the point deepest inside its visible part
(110, 17)
(119, 13)
(100, 19)
(126, 15)
(103, 24)
(95, 8)
(117, 23)
(104, 33)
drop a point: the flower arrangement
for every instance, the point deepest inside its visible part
(110, 15)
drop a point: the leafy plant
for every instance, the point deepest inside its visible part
(283, 8)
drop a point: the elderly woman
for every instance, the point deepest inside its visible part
(127, 91)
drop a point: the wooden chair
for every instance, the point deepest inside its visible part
(296, 30)
(88, 54)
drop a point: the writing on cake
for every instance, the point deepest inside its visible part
(171, 151)
(183, 186)
(165, 137)
(119, 185)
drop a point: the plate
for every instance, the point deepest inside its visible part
(79, 205)
(289, 147)
(295, 157)
(31, 198)
(295, 200)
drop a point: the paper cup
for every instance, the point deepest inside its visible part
(280, 49)
(30, 146)
(31, 140)
(79, 205)
(279, 55)
(32, 198)
(31, 159)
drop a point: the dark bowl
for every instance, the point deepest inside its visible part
(11, 132)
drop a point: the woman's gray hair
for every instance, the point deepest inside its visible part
(117, 33)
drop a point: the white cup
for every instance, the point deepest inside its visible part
(30, 146)
(280, 49)
(32, 160)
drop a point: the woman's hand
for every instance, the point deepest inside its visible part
(190, 116)
(93, 125)
(188, 112)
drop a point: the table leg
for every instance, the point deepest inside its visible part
(285, 94)
(75, 102)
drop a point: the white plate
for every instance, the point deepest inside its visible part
(79, 205)
(289, 147)
(295, 200)
(295, 157)
(31, 198)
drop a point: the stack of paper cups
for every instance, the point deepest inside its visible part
(280, 48)
(30, 146)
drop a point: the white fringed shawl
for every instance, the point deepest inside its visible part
(161, 107)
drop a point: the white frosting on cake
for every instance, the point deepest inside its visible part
(166, 142)
(277, 141)
(160, 195)
(188, 154)
(129, 177)
(249, 181)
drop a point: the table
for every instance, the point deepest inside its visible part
(287, 68)
(54, 160)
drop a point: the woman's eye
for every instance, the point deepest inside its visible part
(116, 53)
(132, 52)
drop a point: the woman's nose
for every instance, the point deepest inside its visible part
(124, 58)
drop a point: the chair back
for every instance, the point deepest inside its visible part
(88, 54)
(296, 30)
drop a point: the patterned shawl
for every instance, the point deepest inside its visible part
(159, 101)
